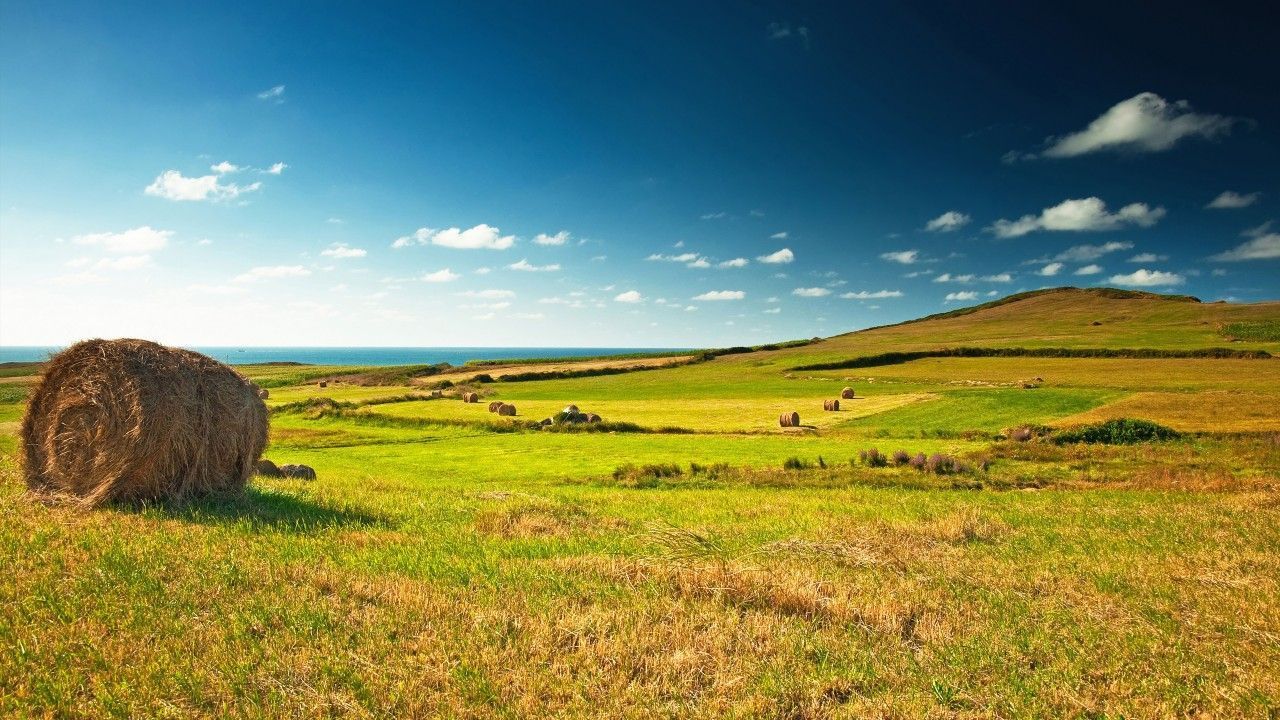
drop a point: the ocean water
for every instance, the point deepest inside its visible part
(361, 355)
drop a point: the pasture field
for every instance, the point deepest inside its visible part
(451, 563)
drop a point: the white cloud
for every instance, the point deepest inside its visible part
(559, 238)
(715, 216)
(1085, 253)
(877, 295)
(143, 239)
(1147, 278)
(526, 266)
(204, 241)
(772, 300)
(224, 167)
(631, 297)
(947, 221)
(734, 263)
(276, 168)
(1089, 270)
(272, 272)
(488, 294)
(906, 257)
(1085, 214)
(342, 250)
(961, 296)
(681, 258)
(482, 270)
(172, 185)
(480, 237)
(1145, 122)
(335, 221)
(1263, 244)
(1148, 258)
(125, 262)
(1229, 200)
(948, 277)
(780, 257)
(1050, 270)
(721, 295)
(779, 235)
(1003, 277)
(441, 276)
(275, 94)
(700, 263)
(811, 292)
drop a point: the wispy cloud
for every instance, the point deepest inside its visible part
(276, 168)
(1050, 270)
(811, 292)
(734, 263)
(491, 294)
(783, 31)
(947, 222)
(1145, 123)
(1088, 270)
(1147, 258)
(780, 257)
(273, 94)
(480, 237)
(443, 275)
(1083, 215)
(342, 251)
(1263, 244)
(1148, 278)
(558, 239)
(1085, 253)
(714, 216)
(721, 295)
(224, 168)
(1230, 200)
(877, 295)
(173, 185)
(144, 239)
(525, 266)
(948, 277)
(779, 235)
(272, 272)
(961, 296)
(905, 257)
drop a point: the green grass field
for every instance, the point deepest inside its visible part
(451, 563)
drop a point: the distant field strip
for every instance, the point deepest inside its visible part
(897, 358)
(729, 415)
(1192, 412)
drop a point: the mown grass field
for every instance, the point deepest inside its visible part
(450, 563)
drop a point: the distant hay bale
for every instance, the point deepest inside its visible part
(846, 394)
(470, 397)
(437, 393)
(789, 419)
(262, 392)
(831, 405)
(298, 472)
(506, 409)
(593, 418)
(132, 421)
(493, 406)
(324, 384)
(570, 410)
(266, 468)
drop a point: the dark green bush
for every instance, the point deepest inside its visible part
(795, 463)
(1120, 431)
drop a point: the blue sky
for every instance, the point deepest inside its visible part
(616, 174)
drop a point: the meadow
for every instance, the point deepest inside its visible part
(693, 559)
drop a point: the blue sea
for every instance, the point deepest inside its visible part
(363, 355)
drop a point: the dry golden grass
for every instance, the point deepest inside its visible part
(1193, 411)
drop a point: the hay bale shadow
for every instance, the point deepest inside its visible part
(270, 510)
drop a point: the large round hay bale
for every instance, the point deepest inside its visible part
(506, 409)
(593, 418)
(131, 420)
(324, 384)
(266, 468)
(789, 419)
(846, 394)
(437, 393)
(298, 472)
(495, 405)
(470, 397)
(831, 405)
(570, 410)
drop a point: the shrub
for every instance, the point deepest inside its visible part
(873, 458)
(1120, 431)
(917, 461)
(1024, 433)
(645, 476)
(794, 463)
(711, 471)
(482, 378)
(901, 457)
(940, 464)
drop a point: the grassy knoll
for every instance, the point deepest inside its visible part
(451, 563)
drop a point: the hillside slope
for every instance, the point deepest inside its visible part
(1064, 317)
